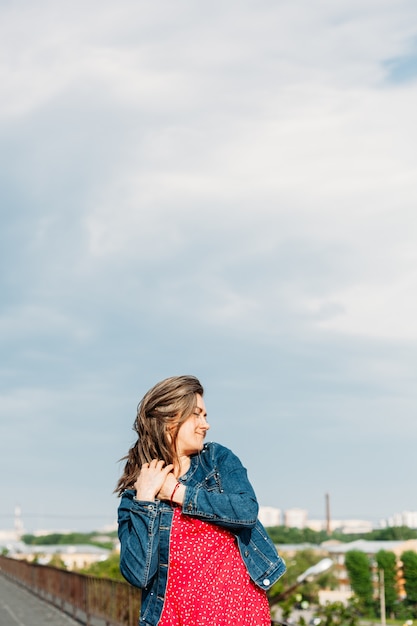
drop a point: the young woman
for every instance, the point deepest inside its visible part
(188, 527)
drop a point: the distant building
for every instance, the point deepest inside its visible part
(18, 522)
(338, 551)
(346, 527)
(406, 518)
(8, 541)
(11, 536)
(73, 556)
(269, 516)
(289, 550)
(7, 536)
(295, 518)
(317, 525)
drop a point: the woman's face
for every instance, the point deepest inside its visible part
(190, 438)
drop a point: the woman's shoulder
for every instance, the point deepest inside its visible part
(213, 446)
(217, 450)
(127, 495)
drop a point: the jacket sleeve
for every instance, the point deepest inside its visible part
(226, 498)
(138, 535)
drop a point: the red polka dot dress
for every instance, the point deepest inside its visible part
(208, 584)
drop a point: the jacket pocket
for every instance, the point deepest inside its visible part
(212, 481)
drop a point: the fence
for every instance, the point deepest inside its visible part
(89, 600)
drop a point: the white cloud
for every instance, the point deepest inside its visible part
(384, 311)
(223, 187)
(47, 321)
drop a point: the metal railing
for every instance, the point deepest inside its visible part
(89, 600)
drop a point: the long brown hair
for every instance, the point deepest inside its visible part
(160, 414)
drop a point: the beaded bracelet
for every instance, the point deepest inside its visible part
(173, 494)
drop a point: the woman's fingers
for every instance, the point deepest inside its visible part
(158, 464)
(151, 478)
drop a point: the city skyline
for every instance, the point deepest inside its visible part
(225, 190)
(403, 518)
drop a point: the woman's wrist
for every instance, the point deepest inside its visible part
(177, 495)
(144, 496)
(171, 500)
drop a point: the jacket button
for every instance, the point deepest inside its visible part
(266, 582)
(246, 553)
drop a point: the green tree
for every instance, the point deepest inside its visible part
(105, 569)
(387, 562)
(70, 539)
(409, 561)
(392, 533)
(283, 535)
(56, 561)
(339, 614)
(359, 570)
(296, 565)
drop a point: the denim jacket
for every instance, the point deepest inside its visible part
(217, 491)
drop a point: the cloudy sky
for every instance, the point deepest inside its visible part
(227, 189)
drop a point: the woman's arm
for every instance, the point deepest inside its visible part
(138, 535)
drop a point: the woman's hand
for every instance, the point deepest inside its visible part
(151, 478)
(167, 488)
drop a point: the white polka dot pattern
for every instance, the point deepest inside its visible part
(208, 584)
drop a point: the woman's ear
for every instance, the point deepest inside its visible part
(170, 430)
